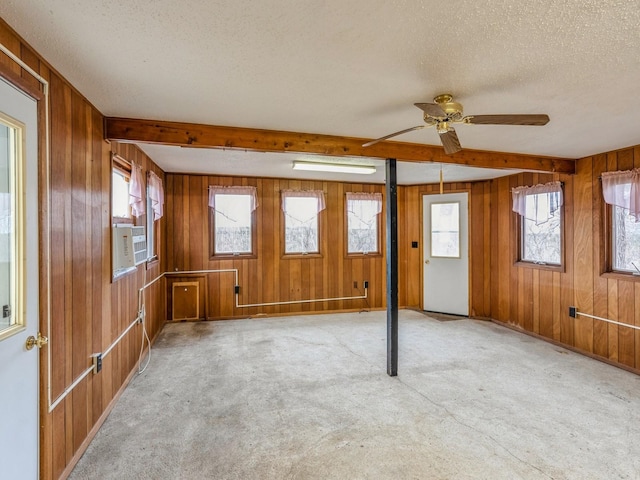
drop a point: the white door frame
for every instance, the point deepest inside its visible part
(459, 275)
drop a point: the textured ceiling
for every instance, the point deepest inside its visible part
(278, 165)
(355, 68)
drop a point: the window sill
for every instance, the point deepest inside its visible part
(295, 256)
(363, 255)
(630, 277)
(123, 273)
(540, 266)
(119, 220)
(240, 256)
(152, 262)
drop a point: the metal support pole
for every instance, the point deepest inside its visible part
(392, 267)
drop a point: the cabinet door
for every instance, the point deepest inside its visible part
(186, 301)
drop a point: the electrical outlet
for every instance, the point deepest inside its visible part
(355, 284)
(366, 284)
(97, 362)
(573, 311)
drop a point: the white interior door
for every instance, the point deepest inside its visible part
(446, 253)
(18, 284)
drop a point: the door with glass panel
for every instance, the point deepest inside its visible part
(18, 285)
(446, 253)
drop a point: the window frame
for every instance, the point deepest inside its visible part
(212, 236)
(16, 167)
(152, 229)
(379, 237)
(606, 254)
(519, 245)
(283, 235)
(122, 167)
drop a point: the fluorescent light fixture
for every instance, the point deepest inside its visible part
(333, 167)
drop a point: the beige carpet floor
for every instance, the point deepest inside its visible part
(308, 398)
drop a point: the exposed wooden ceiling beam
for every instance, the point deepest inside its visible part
(209, 136)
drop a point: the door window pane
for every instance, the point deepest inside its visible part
(11, 208)
(445, 230)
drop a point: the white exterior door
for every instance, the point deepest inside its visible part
(446, 253)
(19, 412)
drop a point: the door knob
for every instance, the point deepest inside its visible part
(426, 262)
(36, 342)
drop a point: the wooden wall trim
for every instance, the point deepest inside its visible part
(211, 136)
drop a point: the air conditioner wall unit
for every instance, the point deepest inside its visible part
(129, 246)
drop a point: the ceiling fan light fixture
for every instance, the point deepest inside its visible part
(333, 167)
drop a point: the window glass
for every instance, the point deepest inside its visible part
(301, 225)
(233, 224)
(445, 229)
(120, 194)
(151, 231)
(541, 238)
(626, 239)
(11, 227)
(362, 226)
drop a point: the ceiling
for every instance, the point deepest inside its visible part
(350, 69)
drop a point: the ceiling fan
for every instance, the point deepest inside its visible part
(444, 111)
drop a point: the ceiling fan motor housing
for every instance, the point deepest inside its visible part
(453, 110)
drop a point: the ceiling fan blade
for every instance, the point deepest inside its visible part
(432, 109)
(450, 141)
(526, 119)
(368, 144)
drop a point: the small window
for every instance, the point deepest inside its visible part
(155, 211)
(363, 227)
(540, 223)
(625, 244)
(120, 180)
(232, 220)
(621, 190)
(301, 225)
(151, 229)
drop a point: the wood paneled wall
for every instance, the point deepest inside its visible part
(271, 277)
(538, 300)
(411, 259)
(88, 311)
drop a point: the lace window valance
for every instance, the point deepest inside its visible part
(547, 199)
(622, 189)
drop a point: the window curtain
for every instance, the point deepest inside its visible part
(136, 191)
(156, 194)
(543, 207)
(354, 198)
(318, 194)
(218, 190)
(622, 189)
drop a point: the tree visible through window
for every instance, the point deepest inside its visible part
(626, 239)
(541, 226)
(362, 222)
(621, 189)
(301, 231)
(233, 209)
